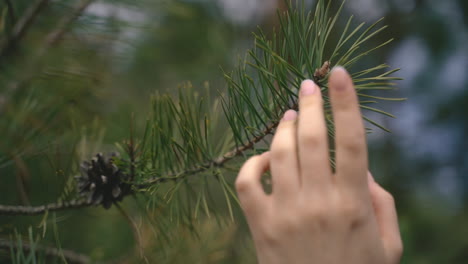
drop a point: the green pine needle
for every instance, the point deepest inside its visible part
(190, 135)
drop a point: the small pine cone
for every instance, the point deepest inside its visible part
(101, 181)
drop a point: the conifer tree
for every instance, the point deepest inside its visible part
(170, 179)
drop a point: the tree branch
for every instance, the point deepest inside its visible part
(35, 210)
(218, 162)
(21, 26)
(75, 204)
(50, 252)
(282, 68)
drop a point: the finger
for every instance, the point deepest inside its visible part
(312, 139)
(387, 219)
(248, 184)
(283, 161)
(351, 149)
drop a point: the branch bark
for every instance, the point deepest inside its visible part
(35, 210)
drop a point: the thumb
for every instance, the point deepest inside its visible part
(387, 220)
(248, 185)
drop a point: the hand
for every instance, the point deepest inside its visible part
(314, 215)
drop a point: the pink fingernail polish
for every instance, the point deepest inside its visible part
(289, 115)
(308, 87)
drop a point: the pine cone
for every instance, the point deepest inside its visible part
(101, 181)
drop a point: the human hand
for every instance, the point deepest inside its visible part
(314, 215)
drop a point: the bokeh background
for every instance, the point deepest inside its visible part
(82, 87)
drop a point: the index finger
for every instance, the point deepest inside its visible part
(350, 139)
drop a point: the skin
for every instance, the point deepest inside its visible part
(314, 215)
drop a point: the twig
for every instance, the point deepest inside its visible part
(50, 252)
(21, 26)
(321, 72)
(74, 204)
(35, 210)
(218, 162)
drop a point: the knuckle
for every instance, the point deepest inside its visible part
(310, 101)
(280, 151)
(395, 251)
(398, 248)
(353, 211)
(243, 181)
(388, 197)
(312, 141)
(288, 224)
(354, 145)
(242, 185)
(316, 210)
(317, 213)
(269, 236)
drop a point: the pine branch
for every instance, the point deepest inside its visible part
(49, 252)
(218, 162)
(35, 210)
(76, 204)
(258, 95)
(259, 91)
(23, 24)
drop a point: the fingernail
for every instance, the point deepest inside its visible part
(289, 115)
(338, 68)
(339, 77)
(308, 87)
